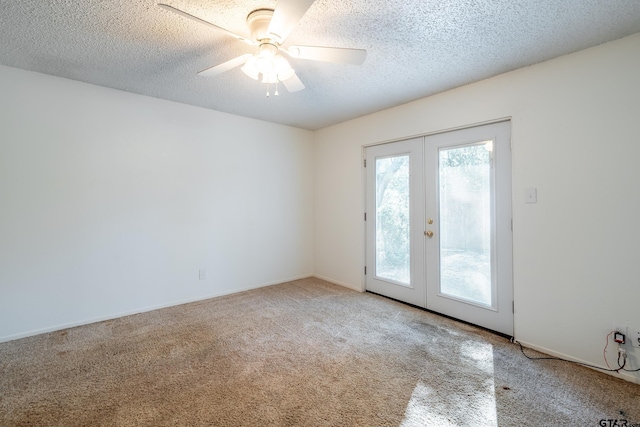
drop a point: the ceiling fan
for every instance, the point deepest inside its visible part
(269, 28)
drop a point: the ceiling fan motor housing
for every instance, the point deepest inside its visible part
(269, 28)
(258, 22)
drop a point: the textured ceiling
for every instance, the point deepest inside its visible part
(415, 48)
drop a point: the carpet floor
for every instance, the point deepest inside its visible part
(302, 353)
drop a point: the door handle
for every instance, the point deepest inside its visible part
(429, 234)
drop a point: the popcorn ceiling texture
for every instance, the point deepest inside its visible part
(415, 48)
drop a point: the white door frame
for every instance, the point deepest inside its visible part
(505, 239)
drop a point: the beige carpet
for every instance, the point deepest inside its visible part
(304, 353)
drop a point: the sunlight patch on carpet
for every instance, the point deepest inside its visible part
(470, 402)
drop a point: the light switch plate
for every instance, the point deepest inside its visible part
(531, 195)
(202, 274)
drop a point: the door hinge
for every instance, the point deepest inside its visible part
(365, 163)
(365, 270)
(365, 216)
(513, 306)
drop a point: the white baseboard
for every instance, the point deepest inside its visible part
(141, 310)
(337, 282)
(623, 375)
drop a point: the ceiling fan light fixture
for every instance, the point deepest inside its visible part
(250, 68)
(270, 78)
(265, 65)
(282, 68)
(286, 75)
(269, 29)
(266, 58)
(267, 50)
(272, 68)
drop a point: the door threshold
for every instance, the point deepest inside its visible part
(500, 334)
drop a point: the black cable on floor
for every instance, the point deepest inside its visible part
(621, 368)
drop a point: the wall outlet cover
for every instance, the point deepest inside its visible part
(531, 195)
(619, 327)
(634, 336)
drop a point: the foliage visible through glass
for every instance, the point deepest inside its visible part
(392, 219)
(465, 223)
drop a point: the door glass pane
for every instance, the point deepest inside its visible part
(392, 219)
(465, 222)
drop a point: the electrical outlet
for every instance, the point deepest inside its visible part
(618, 327)
(634, 337)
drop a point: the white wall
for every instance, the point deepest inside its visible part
(111, 202)
(575, 137)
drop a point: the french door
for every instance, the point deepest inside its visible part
(395, 214)
(439, 224)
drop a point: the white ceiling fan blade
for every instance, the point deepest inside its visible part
(337, 55)
(286, 16)
(225, 66)
(207, 23)
(293, 83)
